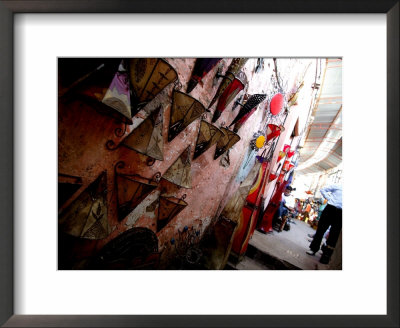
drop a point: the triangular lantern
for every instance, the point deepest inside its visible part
(185, 109)
(231, 91)
(148, 77)
(225, 142)
(273, 131)
(179, 172)
(281, 155)
(147, 138)
(201, 68)
(208, 136)
(272, 177)
(233, 69)
(132, 189)
(290, 153)
(86, 216)
(168, 208)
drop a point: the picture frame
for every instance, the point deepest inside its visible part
(9, 8)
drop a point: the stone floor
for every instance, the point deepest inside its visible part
(281, 250)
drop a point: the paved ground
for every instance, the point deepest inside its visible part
(289, 246)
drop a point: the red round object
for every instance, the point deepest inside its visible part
(276, 104)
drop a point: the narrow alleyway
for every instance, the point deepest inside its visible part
(280, 250)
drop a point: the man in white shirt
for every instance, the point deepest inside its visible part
(287, 204)
(331, 216)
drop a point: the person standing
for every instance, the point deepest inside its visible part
(331, 216)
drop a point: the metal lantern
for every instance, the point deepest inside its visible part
(132, 189)
(273, 131)
(201, 68)
(231, 91)
(207, 137)
(148, 77)
(286, 149)
(290, 154)
(86, 217)
(147, 138)
(285, 166)
(272, 177)
(247, 110)
(168, 208)
(281, 155)
(179, 172)
(225, 142)
(185, 109)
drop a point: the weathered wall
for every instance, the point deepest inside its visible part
(83, 134)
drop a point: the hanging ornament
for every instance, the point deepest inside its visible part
(225, 142)
(248, 108)
(231, 91)
(286, 149)
(233, 69)
(185, 109)
(207, 137)
(148, 77)
(132, 189)
(290, 154)
(272, 177)
(179, 172)
(285, 166)
(276, 104)
(86, 216)
(273, 131)
(258, 141)
(281, 155)
(200, 70)
(168, 208)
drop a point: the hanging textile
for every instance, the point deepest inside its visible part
(86, 217)
(207, 137)
(231, 91)
(179, 172)
(233, 69)
(132, 189)
(200, 70)
(225, 142)
(147, 138)
(185, 109)
(148, 76)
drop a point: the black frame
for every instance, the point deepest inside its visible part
(7, 10)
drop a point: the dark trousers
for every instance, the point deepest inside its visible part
(331, 216)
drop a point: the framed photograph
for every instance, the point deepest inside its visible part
(115, 115)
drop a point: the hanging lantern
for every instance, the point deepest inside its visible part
(207, 137)
(285, 166)
(290, 167)
(248, 109)
(286, 149)
(276, 104)
(179, 172)
(168, 208)
(273, 131)
(272, 177)
(231, 91)
(147, 138)
(290, 154)
(86, 217)
(225, 142)
(201, 68)
(233, 69)
(281, 155)
(185, 109)
(132, 189)
(148, 76)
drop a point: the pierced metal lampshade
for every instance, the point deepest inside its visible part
(179, 172)
(132, 189)
(233, 69)
(86, 216)
(286, 148)
(231, 91)
(207, 137)
(201, 68)
(147, 138)
(185, 109)
(247, 108)
(225, 142)
(148, 77)
(168, 208)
